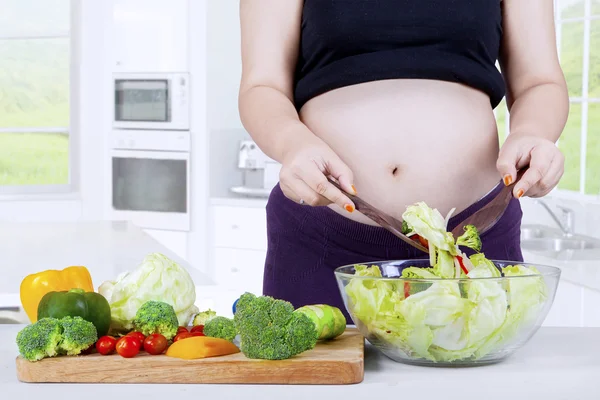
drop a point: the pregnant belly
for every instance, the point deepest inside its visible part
(410, 140)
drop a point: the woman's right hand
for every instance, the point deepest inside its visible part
(304, 172)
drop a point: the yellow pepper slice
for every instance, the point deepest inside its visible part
(35, 286)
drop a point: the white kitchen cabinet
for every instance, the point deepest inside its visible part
(237, 269)
(150, 35)
(240, 227)
(239, 246)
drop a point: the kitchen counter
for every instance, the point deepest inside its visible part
(558, 363)
(106, 248)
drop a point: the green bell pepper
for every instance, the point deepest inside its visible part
(91, 306)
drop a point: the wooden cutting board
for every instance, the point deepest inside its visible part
(336, 362)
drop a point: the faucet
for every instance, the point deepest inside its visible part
(566, 225)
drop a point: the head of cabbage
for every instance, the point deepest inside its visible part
(157, 278)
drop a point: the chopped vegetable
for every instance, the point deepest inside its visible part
(156, 317)
(77, 302)
(50, 337)
(106, 345)
(329, 320)
(201, 347)
(139, 335)
(155, 344)
(470, 238)
(77, 335)
(219, 327)
(270, 329)
(446, 320)
(40, 339)
(128, 346)
(203, 317)
(197, 328)
(35, 286)
(182, 335)
(157, 278)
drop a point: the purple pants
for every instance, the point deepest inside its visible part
(306, 244)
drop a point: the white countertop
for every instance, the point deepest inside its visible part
(105, 248)
(558, 363)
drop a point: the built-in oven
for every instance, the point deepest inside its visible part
(151, 101)
(150, 179)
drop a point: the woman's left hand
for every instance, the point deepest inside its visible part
(546, 164)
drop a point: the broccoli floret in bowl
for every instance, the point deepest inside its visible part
(269, 329)
(40, 340)
(156, 317)
(220, 327)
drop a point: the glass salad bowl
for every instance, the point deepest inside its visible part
(434, 321)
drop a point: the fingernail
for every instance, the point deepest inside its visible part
(520, 193)
(354, 188)
(507, 180)
(349, 207)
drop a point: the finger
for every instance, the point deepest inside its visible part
(551, 179)
(307, 196)
(340, 171)
(319, 183)
(507, 162)
(538, 168)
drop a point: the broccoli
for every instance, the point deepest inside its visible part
(470, 238)
(49, 337)
(77, 335)
(220, 327)
(156, 317)
(40, 339)
(269, 329)
(203, 317)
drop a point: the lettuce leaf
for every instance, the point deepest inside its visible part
(157, 278)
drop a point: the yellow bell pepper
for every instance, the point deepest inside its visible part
(35, 286)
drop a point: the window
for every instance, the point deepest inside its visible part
(578, 42)
(36, 101)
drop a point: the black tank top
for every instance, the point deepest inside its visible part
(345, 42)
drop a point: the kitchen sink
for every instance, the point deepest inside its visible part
(550, 242)
(555, 244)
(539, 232)
(12, 315)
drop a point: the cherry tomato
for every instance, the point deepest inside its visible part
(106, 345)
(139, 335)
(197, 328)
(128, 346)
(182, 329)
(155, 344)
(197, 333)
(182, 335)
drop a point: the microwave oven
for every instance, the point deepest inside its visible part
(151, 101)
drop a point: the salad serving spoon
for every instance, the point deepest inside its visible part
(483, 219)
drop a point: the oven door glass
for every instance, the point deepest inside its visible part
(142, 100)
(149, 185)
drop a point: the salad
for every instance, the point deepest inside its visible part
(441, 313)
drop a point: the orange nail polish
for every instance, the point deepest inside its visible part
(520, 193)
(349, 208)
(507, 180)
(354, 188)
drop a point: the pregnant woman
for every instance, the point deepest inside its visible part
(394, 99)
